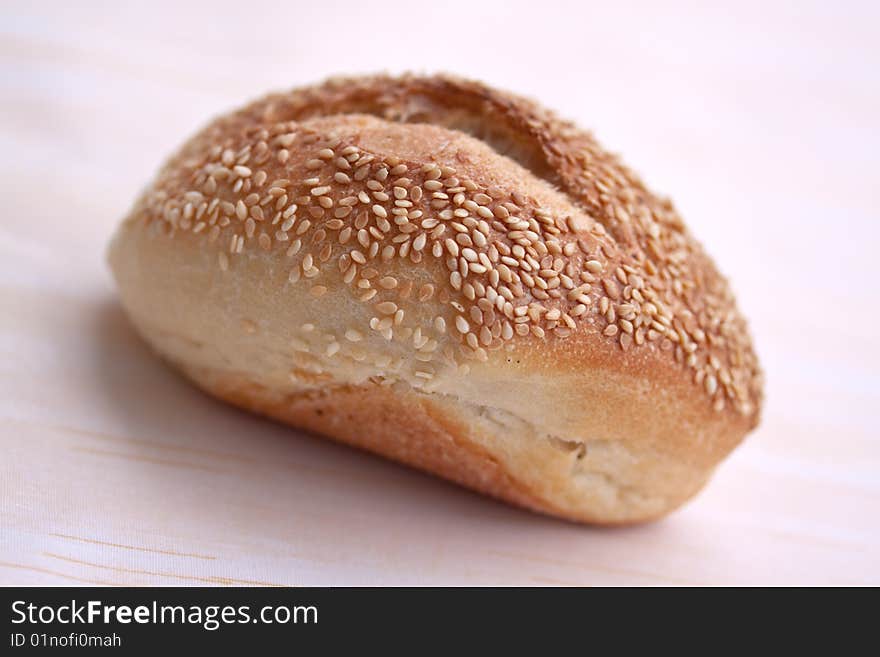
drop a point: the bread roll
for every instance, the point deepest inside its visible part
(452, 277)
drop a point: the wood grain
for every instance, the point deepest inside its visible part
(762, 124)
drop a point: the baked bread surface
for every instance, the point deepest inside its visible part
(454, 278)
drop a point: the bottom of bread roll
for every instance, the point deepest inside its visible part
(484, 449)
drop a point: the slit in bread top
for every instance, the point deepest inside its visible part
(543, 236)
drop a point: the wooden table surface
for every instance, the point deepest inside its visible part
(762, 122)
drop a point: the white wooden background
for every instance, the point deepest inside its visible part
(761, 120)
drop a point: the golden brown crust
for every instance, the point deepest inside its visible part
(369, 418)
(480, 239)
(437, 436)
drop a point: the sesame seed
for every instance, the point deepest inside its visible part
(294, 248)
(711, 384)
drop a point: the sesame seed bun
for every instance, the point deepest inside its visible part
(452, 277)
